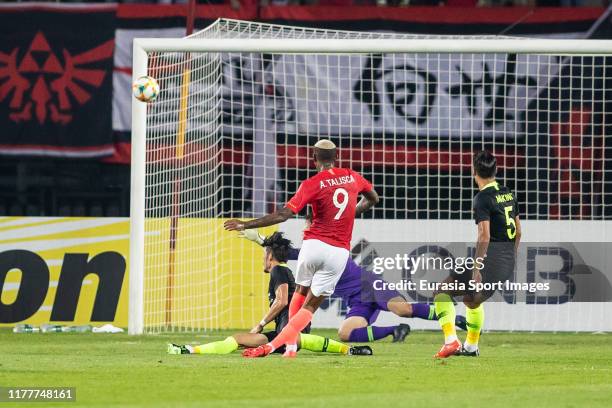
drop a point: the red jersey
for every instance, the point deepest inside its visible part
(333, 196)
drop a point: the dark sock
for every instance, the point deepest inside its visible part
(424, 311)
(370, 333)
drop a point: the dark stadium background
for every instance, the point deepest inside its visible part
(34, 182)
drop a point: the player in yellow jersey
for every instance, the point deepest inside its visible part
(499, 232)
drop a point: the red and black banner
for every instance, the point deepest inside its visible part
(56, 73)
(438, 20)
(65, 70)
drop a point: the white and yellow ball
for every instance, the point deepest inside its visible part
(145, 89)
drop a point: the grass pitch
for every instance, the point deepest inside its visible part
(514, 370)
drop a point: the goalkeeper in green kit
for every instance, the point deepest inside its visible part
(280, 291)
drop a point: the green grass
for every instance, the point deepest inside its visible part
(514, 370)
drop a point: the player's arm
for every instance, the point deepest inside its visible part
(482, 217)
(276, 217)
(484, 237)
(370, 196)
(294, 206)
(281, 301)
(517, 225)
(369, 200)
(517, 237)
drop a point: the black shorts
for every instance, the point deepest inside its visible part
(281, 321)
(270, 335)
(496, 269)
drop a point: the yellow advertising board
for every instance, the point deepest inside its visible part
(74, 271)
(65, 270)
(216, 278)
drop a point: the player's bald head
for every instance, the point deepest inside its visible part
(325, 151)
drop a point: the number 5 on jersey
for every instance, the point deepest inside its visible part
(510, 223)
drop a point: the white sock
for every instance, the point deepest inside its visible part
(189, 348)
(291, 347)
(450, 339)
(470, 347)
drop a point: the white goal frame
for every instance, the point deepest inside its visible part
(323, 46)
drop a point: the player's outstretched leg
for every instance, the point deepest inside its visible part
(320, 344)
(226, 346)
(178, 349)
(413, 310)
(287, 336)
(290, 333)
(373, 333)
(297, 301)
(445, 309)
(370, 333)
(355, 328)
(401, 308)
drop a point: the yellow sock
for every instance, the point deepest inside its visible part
(449, 331)
(322, 344)
(218, 347)
(475, 320)
(445, 310)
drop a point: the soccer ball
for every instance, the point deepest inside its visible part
(145, 89)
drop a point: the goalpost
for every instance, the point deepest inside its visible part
(241, 102)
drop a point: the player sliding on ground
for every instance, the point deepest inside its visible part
(496, 214)
(280, 291)
(364, 308)
(332, 193)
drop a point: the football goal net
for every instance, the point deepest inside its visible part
(241, 103)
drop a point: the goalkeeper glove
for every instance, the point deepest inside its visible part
(252, 235)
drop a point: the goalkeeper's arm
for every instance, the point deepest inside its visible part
(254, 236)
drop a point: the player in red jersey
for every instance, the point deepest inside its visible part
(333, 194)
